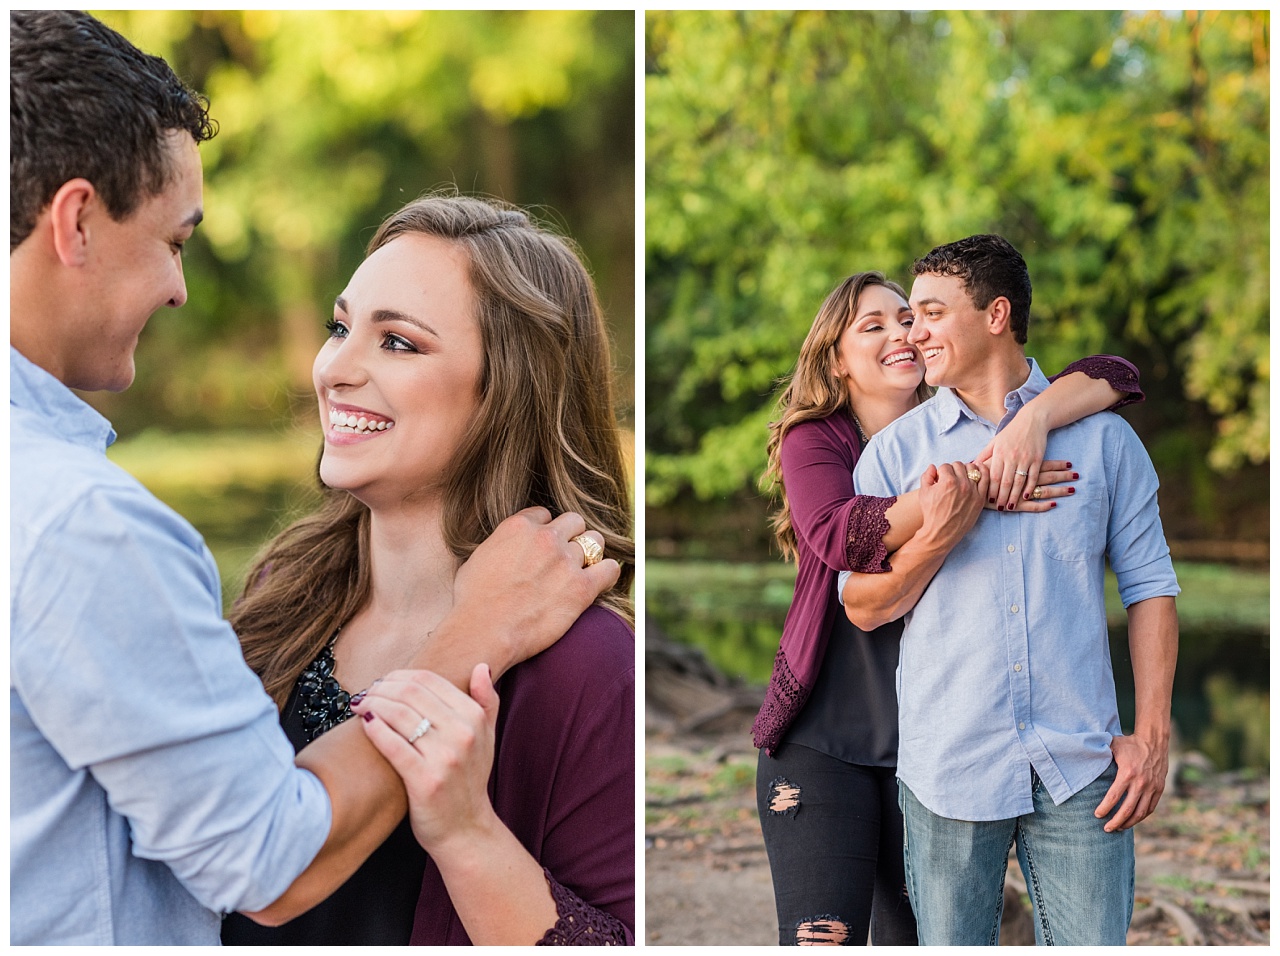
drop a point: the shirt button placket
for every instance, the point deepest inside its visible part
(1018, 629)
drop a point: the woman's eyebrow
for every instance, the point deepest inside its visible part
(390, 315)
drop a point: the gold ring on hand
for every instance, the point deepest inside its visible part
(974, 475)
(592, 552)
(1038, 493)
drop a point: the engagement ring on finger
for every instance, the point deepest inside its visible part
(591, 551)
(1022, 474)
(974, 475)
(423, 726)
(1038, 493)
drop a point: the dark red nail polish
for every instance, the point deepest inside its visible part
(991, 501)
(1026, 497)
(999, 507)
(1071, 491)
(356, 698)
(1068, 464)
(1053, 504)
(367, 716)
(1074, 476)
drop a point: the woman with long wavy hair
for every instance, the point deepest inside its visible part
(467, 376)
(827, 731)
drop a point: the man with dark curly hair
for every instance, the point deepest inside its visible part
(152, 788)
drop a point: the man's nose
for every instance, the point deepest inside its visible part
(179, 298)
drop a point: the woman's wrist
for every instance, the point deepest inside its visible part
(1038, 413)
(465, 842)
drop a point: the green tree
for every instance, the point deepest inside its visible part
(329, 121)
(1126, 155)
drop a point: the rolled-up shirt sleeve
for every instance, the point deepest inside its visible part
(1136, 544)
(130, 673)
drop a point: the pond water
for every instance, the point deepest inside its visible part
(1221, 697)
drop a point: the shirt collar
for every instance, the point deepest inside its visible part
(67, 415)
(952, 411)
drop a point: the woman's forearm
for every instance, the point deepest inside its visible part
(498, 889)
(904, 519)
(1070, 398)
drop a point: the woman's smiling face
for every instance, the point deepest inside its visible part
(872, 353)
(398, 380)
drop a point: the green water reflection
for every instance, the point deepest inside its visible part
(1221, 704)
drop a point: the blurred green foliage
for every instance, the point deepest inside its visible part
(330, 120)
(1126, 154)
(1240, 734)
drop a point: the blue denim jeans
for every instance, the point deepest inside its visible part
(1079, 877)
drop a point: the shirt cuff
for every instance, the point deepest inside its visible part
(864, 549)
(580, 924)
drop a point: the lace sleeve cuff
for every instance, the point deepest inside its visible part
(580, 924)
(1119, 374)
(864, 549)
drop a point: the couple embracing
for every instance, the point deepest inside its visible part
(943, 691)
(473, 544)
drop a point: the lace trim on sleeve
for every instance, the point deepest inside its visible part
(580, 924)
(1119, 375)
(864, 549)
(782, 701)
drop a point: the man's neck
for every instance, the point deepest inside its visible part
(984, 392)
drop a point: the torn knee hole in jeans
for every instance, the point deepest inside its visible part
(784, 797)
(822, 931)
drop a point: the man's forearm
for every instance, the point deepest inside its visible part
(871, 600)
(1153, 648)
(366, 794)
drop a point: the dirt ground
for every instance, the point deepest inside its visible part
(1203, 861)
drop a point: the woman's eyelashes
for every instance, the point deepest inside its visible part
(395, 343)
(390, 341)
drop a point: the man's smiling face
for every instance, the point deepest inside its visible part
(949, 330)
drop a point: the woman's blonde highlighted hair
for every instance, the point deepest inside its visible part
(815, 390)
(543, 433)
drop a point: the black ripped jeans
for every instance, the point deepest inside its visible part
(834, 835)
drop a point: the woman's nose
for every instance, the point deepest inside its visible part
(338, 364)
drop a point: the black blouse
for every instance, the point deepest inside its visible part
(375, 907)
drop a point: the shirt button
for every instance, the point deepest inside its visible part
(1011, 549)
(1017, 667)
(1021, 725)
(1014, 609)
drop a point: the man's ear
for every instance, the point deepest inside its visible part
(999, 315)
(68, 218)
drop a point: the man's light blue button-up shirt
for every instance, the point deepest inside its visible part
(1005, 664)
(151, 787)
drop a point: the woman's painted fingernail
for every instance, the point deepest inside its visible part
(999, 507)
(1026, 497)
(1074, 476)
(1068, 464)
(357, 697)
(367, 716)
(1053, 504)
(1071, 491)
(991, 501)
